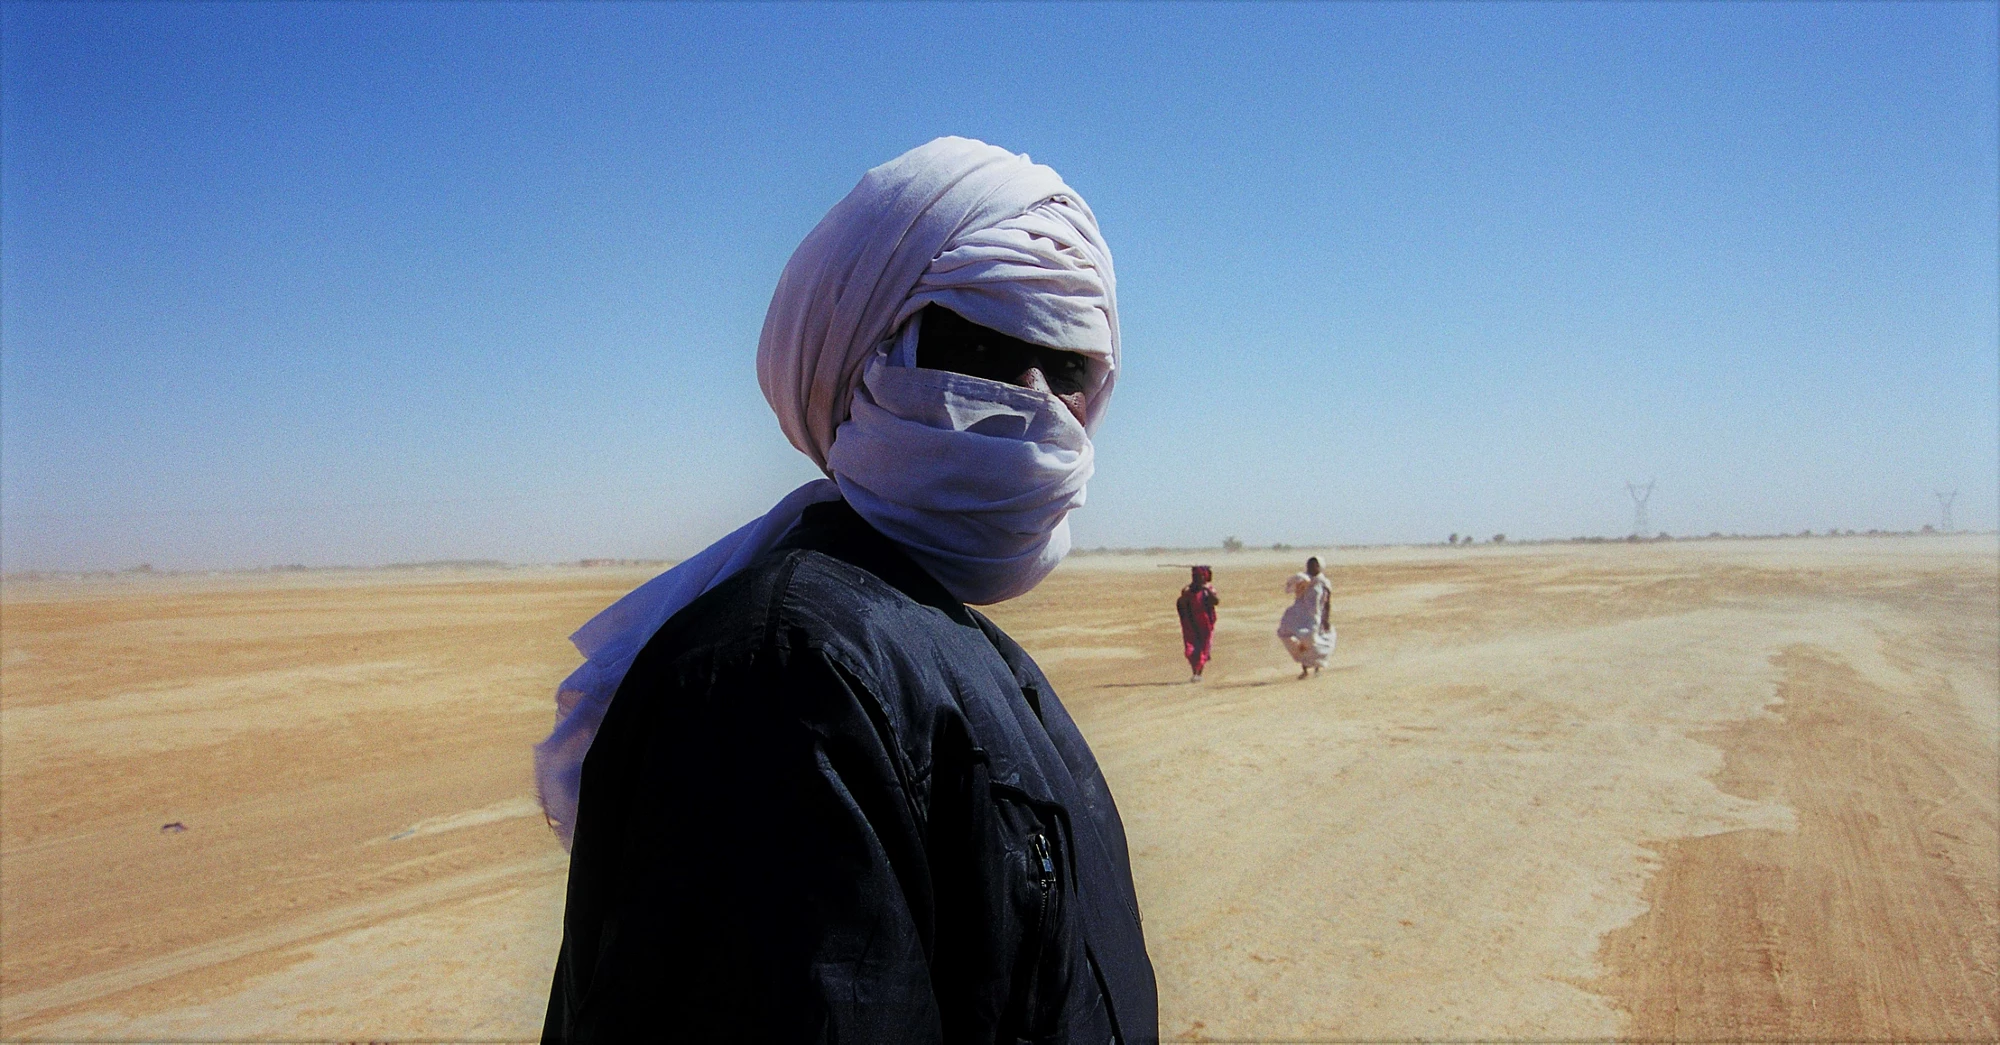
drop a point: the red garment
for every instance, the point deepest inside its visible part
(1197, 608)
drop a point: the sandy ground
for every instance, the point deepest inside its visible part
(1699, 791)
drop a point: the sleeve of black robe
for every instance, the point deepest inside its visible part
(743, 864)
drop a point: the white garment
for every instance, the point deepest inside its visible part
(973, 478)
(1300, 626)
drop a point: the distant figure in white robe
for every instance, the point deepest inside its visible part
(1305, 629)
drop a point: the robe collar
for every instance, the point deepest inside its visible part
(833, 528)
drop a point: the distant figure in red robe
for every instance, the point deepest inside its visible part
(1197, 605)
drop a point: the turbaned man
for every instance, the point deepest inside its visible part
(811, 795)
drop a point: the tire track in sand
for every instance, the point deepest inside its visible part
(27, 1005)
(1878, 919)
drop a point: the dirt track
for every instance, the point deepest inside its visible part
(1711, 790)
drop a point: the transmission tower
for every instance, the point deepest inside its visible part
(1944, 508)
(1639, 496)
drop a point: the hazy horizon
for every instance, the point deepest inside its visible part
(358, 285)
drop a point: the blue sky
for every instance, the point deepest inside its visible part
(373, 283)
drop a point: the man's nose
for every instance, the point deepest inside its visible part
(1033, 378)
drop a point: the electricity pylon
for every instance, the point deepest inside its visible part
(1944, 508)
(1639, 496)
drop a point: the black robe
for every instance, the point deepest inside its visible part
(831, 803)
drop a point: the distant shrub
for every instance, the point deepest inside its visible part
(1231, 544)
(1499, 538)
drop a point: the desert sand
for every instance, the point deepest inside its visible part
(1698, 790)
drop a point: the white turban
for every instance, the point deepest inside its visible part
(973, 478)
(994, 237)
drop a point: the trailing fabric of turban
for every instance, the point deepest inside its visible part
(973, 478)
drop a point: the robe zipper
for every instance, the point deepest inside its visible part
(1045, 877)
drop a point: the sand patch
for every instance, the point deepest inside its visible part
(1878, 919)
(506, 809)
(1063, 654)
